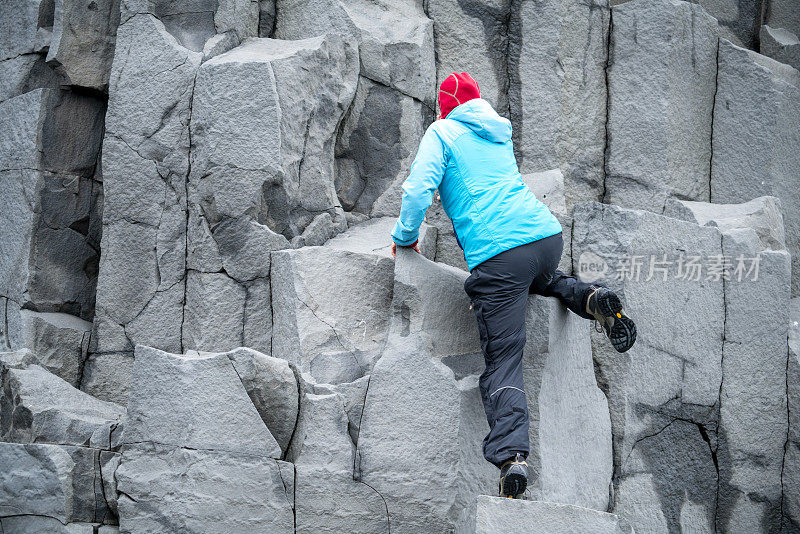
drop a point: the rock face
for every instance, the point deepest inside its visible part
(791, 466)
(168, 453)
(756, 149)
(38, 407)
(781, 45)
(660, 111)
(493, 514)
(663, 393)
(206, 328)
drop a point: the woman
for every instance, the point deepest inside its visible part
(512, 245)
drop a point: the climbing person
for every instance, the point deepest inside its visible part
(512, 244)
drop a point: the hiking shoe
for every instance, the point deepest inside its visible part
(607, 310)
(514, 477)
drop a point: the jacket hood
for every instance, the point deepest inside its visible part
(479, 116)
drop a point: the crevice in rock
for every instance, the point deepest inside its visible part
(607, 135)
(786, 442)
(722, 370)
(297, 379)
(186, 209)
(120, 492)
(385, 505)
(711, 133)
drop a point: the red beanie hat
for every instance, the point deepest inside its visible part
(455, 90)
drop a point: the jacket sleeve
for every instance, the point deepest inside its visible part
(426, 174)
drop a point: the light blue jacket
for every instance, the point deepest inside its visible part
(469, 157)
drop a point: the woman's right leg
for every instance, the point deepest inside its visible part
(590, 301)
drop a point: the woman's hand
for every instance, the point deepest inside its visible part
(414, 245)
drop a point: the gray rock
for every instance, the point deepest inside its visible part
(659, 110)
(195, 402)
(493, 514)
(272, 387)
(375, 147)
(159, 488)
(107, 376)
(82, 46)
(791, 466)
(323, 454)
(663, 392)
(60, 341)
(27, 524)
(309, 286)
(762, 215)
(753, 411)
(192, 23)
(557, 92)
(570, 431)
(38, 407)
(48, 256)
(429, 304)
(395, 39)
(548, 186)
(784, 14)
(277, 192)
(54, 481)
(781, 45)
(20, 27)
(757, 148)
(400, 435)
(214, 314)
(373, 236)
(738, 19)
(24, 73)
(145, 168)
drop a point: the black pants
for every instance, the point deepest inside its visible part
(498, 289)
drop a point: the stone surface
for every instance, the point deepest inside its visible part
(194, 402)
(762, 215)
(141, 285)
(309, 286)
(193, 22)
(781, 45)
(557, 93)
(48, 244)
(323, 454)
(661, 79)
(757, 147)
(375, 147)
(36, 406)
(493, 514)
(159, 489)
(738, 19)
(468, 37)
(82, 46)
(272, 387)
(753, 410)
(784, 14)
(400, 435)
(374, 237)
(59, 340)
(108, 376)
(429, 304)
(663, 392)
(395, 39)
(791, 466)
(51, 481)
(570, 431)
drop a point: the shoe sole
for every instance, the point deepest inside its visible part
(514, 485)
(623, 333)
